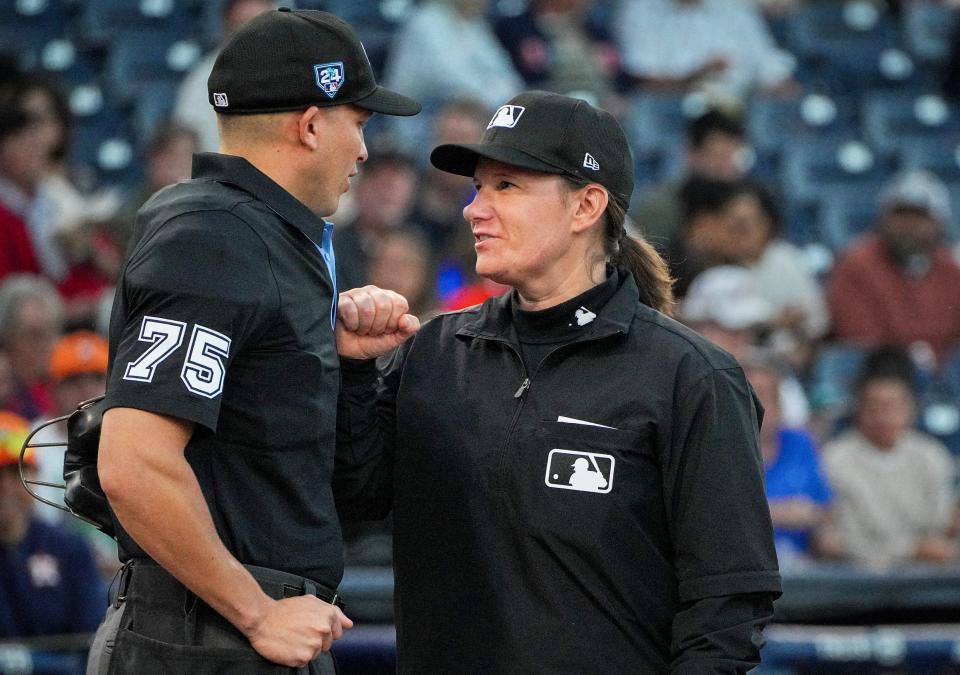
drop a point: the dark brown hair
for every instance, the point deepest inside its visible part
(648, 268)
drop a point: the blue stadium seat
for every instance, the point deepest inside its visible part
(656, 124)
(69, 63)
(137, 64)
(928, 28)
(26, 26)
(811, 166)
(103, 21)
(833, 374)
(104, 149)
(841, 42)
(772, 120)
(152, 106)
(940, 155)
(846, 214)
(892, 120)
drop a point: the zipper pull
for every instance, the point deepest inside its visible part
(523, 387)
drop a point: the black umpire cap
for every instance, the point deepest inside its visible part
(290, 60)
(554, 134)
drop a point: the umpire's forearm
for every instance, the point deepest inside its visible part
(720, 634)
(157, 499)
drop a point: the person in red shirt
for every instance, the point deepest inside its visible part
(18, 161)
(899, 285)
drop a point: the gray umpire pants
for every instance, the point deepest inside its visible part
(156, 625)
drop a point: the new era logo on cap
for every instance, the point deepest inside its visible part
(590, 163)
(220, 100)
(507, 116)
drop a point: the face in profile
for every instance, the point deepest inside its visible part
(517, 218)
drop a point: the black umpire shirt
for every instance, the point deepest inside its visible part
(223, 317)
(597, 509)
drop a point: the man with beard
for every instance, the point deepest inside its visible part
(898, 285)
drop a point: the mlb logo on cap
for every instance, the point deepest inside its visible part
(507, 116)
(330, 77)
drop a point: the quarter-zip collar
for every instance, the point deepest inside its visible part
(495, 319)
(240, 173)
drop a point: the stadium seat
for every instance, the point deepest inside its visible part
(892, 120)
(26, 26)
(136, 64)
(103, 148)
(656, 124)
(845, 214)
(841, 42)
(67, 62)
(152, 106)
(832, 376)
(936, 154)
(928, 28)
(811, 166)
(103, 21)
(772, 120)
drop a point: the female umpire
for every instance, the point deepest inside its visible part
(575, 477)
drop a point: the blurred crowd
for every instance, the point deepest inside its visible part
(856, 362)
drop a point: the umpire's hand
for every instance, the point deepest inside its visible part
(372, 321)
(293, 631)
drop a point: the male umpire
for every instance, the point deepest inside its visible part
(217, 446)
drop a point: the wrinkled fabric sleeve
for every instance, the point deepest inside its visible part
(366, 436)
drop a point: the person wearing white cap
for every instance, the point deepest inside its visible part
(899, 284)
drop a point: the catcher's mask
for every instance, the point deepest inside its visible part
(82, 495)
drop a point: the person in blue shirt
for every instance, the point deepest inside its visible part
(49, 582)
(797, 491)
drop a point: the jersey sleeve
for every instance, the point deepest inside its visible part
(722, 533)
(192, 294)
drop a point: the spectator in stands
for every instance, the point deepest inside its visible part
(31, 318)
(21, 168)
(69, 208)
(557, 45)
(899, 285)
(403, 263)
(193, 108)
(442, 196)
(384, 198)
(55, 213)
(169, 159)
(447, 48)
(800, 499)
(781, 276)
(894, 486)
(724, 305)
(716, 148)
(78, 372)
(703, 239)
(49, 584)
(718, 45)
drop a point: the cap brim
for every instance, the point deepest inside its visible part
(462, 159)
(388, 103)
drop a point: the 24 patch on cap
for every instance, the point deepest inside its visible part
(330, 77)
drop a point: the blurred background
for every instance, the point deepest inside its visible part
(797, 163)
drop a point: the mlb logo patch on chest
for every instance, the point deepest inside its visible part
(330, 77)
(581, 471)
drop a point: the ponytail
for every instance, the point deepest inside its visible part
(648, 268)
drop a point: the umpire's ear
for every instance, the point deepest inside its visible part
(309, 125)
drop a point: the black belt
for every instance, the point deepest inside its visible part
(275, 583)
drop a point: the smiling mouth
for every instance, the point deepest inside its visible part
(482, 237)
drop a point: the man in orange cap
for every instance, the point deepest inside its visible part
(49, 584)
